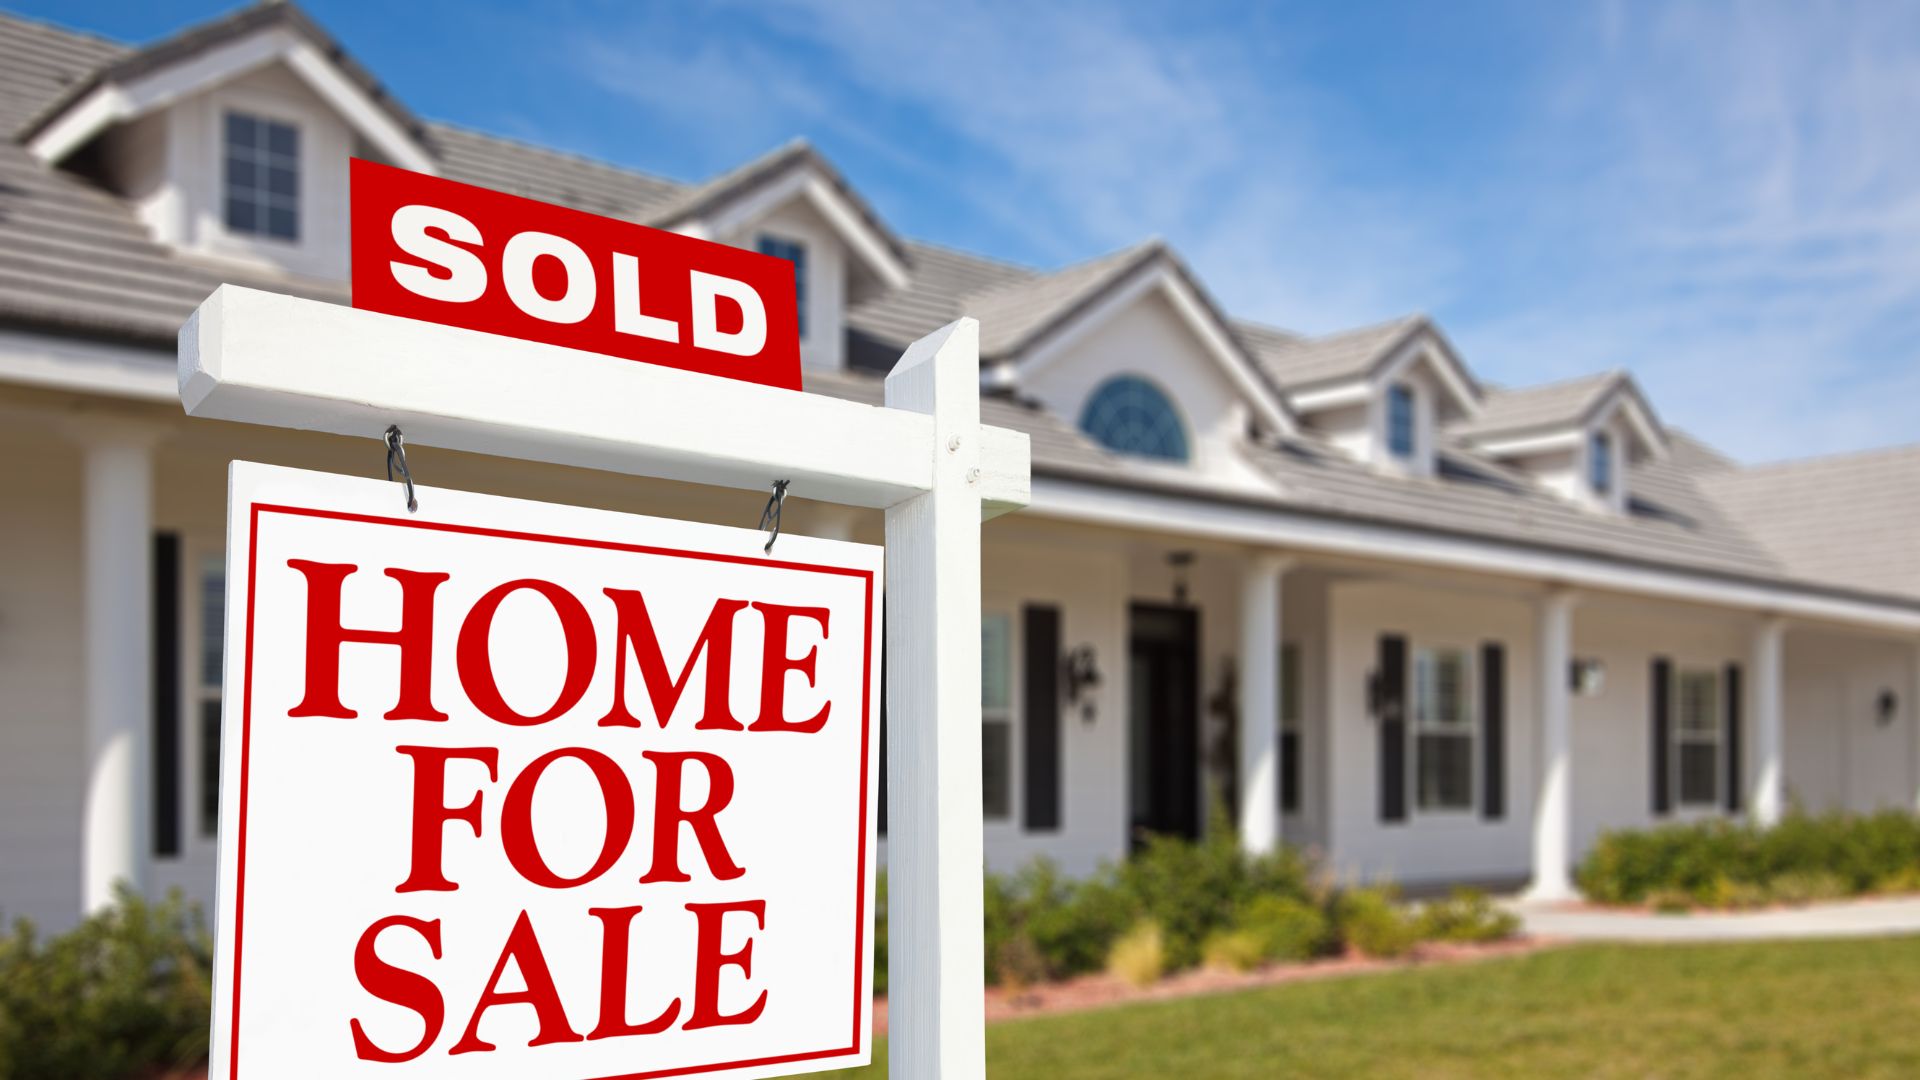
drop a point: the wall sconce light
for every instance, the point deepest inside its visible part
(1885, 706)
(1180, 562)
(1082, 674)
(1587, 676)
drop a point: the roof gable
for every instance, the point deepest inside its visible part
(142, 80)
(1036, 319)
(1552, 412)
(796, 170)
(1347, 367)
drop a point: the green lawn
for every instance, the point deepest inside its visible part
(1800, 1009)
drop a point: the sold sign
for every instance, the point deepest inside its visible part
(433, 249)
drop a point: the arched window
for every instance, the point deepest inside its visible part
(1131, 415)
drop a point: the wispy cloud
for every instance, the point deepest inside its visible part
(1723, 197)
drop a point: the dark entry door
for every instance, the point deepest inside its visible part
(1163, 721)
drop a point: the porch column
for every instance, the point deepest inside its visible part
(117, 554)
(1260, 703)
(1769, 777)
(1553, 807)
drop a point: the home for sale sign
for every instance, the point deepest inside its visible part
(512, 789)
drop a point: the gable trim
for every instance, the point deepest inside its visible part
(112, 100)
(1158, 273)
(806, 183)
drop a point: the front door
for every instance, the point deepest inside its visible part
(1163, 744)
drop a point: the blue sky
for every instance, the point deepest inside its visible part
(1722, 197)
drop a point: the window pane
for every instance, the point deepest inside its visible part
(209, 767)
(240, 215)
(213, 616)
(1600, 463)
(1699, 773)
(280, 223)
(996, 768)
(1450, 679)
(241, 174)
(283, 139)
(1699, 703)
(996, 661)
(1289, 686)
(795, 253)
(1400, 428)
(1445, 772)
(283, 181)
(241, 131)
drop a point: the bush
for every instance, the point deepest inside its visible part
(1724, 863)
(880, 934)
(1806, 887)
(1232, 950)
(1467, 916)
(1670, 901)
(128, 991)
(1287, 929)
(1372, 921)
(1139, 958)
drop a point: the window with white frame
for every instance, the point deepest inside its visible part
(794, 252)
(1600, 463)
(1696, 734)
(212, 585)
(260, 186)
(996, 715)
(1442, 730)
(1402, 431)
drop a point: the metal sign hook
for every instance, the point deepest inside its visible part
(771, 515)
(397, 458)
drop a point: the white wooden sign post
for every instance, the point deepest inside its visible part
(265, 358)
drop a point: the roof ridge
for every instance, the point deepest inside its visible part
(1832, 457)
(549, 151)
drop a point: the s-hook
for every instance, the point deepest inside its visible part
(397, 458)
(771, 515)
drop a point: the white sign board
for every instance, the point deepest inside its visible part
(513, 789)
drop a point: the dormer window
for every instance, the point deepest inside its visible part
(1600, 463)
(261, 179)
(1130, 415)
(796, 253)
(1402, 428)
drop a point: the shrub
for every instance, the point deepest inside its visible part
(1904, 880)
(1372, 921)
(1670, 901)
(127, 992)
(1232, 950)
(1723, 893)
(1806, 887)
(1723, 863)
(1466, 916)
(880, 934)
(1287, 929)
(1139, 957)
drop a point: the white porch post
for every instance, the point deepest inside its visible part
(935, 847)
(1260, 703)
(117, 543)
(1769, 784)
(1553, 806)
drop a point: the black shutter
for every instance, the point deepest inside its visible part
(1391, 709)
(1733, 739)
(166, 694)
(1041, 716)
(1659, 685)
(1493, 730)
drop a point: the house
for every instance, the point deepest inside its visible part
(1437, 629)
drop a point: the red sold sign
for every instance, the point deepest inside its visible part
(445, 252)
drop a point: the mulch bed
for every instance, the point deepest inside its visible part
(1101, 990)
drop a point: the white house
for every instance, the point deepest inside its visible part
(1436, 629)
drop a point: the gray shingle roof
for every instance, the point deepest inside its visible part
(1852, 520)
(75, 256)
(1298, 362)
(44, 63)
(1548, 405)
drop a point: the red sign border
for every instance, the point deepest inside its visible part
(866, 724)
